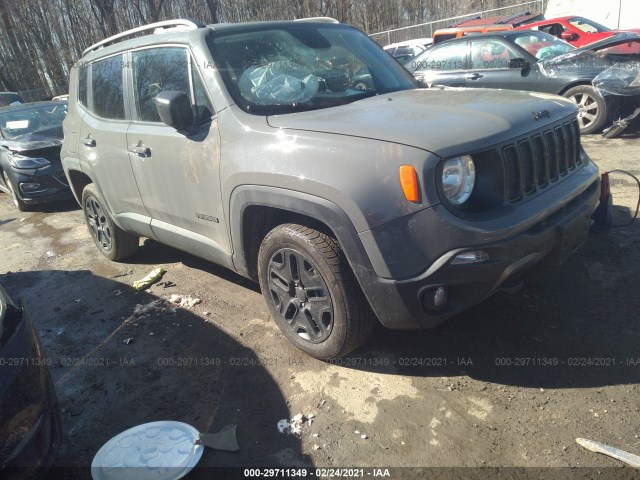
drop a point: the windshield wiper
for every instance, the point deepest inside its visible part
(279, 109)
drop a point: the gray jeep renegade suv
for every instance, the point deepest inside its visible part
(301, 155)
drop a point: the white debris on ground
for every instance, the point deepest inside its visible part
(294, 426)
(157, 306)
(186, 301)
(284, 426)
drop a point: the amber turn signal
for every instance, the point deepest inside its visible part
(409, 183)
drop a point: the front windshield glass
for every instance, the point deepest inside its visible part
(588, 26)
(542, 45)
(303, 66)
(15, 124)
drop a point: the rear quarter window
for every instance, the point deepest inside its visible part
(82, 86)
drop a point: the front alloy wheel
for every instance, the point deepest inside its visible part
(311, 292)
(300, 295)
(592, 109)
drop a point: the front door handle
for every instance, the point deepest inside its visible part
(140, 150)
(89, 142)
(474, 76)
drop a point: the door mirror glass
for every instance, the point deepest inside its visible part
(568, 36)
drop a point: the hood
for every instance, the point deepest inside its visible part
(445, 121)
(49, 138)
(615, 38)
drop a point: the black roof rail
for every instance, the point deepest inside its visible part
(462, 21)
(512, 17)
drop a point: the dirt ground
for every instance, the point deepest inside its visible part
(509, 384)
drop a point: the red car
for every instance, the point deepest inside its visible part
(578, 31)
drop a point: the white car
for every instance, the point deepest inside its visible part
(408, 47)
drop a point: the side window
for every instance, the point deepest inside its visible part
(108, 99)
(82, 85)
(491, 53)
(156, 70)
(447, 57)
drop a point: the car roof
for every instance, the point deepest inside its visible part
(518, 19)
(494, 34)
(172, 35)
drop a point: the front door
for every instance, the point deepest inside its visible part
(490, 67)
(177, 172)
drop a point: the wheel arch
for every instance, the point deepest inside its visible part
(255, 210)
(77, 181)
(577, 83)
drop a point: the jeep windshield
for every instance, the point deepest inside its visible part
(281, 68)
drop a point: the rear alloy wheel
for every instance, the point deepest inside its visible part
(23, 207)
(311, 292)
(113, 242)
(592, 109)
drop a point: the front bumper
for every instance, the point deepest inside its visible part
(52, 184)
(409, 303)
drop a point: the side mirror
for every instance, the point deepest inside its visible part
(568, 36)
(174, 109)
(519, 63)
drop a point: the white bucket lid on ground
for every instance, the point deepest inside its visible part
(164, 450)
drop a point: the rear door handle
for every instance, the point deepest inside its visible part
(89, 142)
(474, 76)
(140, 150)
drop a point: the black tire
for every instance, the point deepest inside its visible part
(113, 242)
(592, 114)
(23, 207)
(311, 292)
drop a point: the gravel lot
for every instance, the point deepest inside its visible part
(508, 384)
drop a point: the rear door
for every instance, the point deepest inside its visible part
(177, 173)
(103, 142)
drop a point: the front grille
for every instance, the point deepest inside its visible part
(541, 159)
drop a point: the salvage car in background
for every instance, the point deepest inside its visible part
(30, 141)
(578, 31)
(615, 62)
(407, 49)
(30, 423)
(511, 60)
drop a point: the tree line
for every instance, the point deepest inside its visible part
(41, 39)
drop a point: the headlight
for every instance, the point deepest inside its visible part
(458, 179)
(20, 161)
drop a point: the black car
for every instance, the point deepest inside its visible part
(30, 423)
(9, 98)
(511, 60)
(30, 141)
